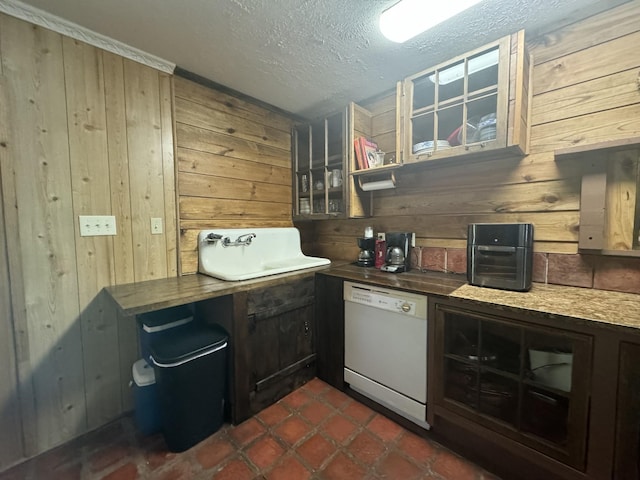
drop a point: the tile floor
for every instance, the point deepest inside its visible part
(316, 432)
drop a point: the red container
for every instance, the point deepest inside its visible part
(380, 252)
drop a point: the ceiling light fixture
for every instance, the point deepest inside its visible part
(408, 18)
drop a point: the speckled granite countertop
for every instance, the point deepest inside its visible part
(613, 308)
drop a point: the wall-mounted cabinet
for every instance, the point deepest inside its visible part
(322, 164)
(477, 102)
(318, 168)
(363, 181)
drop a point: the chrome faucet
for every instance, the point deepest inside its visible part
(245, 239)
(241, 240)
(213, 237)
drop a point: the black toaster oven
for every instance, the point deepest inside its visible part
(500, 255)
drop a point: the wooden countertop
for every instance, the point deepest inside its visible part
(141, 297)
(432, 283)
(607, 308)
(611, 308)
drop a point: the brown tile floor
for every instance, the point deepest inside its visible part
(316, 432)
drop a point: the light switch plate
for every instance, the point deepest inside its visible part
(156, 226)
(95, 225)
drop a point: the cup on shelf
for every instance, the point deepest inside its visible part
(305, 206)
(379, 159)
(336, 178)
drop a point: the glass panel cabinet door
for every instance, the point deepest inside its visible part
(456, 104)
(301, 152)
(527, 382)
(318, 161)
(475, 102)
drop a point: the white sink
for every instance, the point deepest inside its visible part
(271, 251)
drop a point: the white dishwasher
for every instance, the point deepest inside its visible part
(385, 348)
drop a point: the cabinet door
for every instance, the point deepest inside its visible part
(295, 336)
(526, 382)
(280, 340)
(476, 102)
(627, 445)
(319, 168)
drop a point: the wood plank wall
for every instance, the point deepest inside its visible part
(10, 430)
(82, 132)
(234, 165)
(585, 91)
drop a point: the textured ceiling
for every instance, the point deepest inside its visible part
(308, 57)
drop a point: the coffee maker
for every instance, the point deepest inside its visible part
(366, 257)
(398, 252)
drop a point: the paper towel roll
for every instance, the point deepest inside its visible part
(380, 185)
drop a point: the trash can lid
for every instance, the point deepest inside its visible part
(159, 320)
(187, 344)
(143, 373)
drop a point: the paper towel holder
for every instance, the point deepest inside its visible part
(386, 183)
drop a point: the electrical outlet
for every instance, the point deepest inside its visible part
(95, 225)
(156, 226)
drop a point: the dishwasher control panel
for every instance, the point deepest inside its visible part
(385, 299)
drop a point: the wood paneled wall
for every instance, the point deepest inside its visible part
(585, 91)
(10, 430)
(82, 132)
(234, 165)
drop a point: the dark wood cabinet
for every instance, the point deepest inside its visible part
(329, 314)
(280, 340)
(527, 394)
(627, 441)
(526, 382)
(272, 347)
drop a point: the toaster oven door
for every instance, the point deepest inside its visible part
(500, 267)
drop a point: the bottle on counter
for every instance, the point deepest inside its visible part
(380, 251)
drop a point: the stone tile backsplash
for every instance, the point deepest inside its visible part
(457, 260)
(540, 264)
(619, 274)
(572, 270)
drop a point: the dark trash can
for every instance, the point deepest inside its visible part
(160, 323)
(190, 368)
